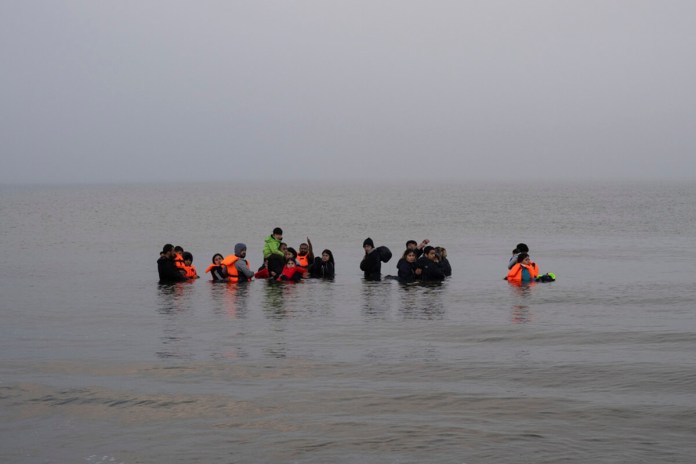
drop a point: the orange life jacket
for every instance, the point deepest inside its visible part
(303, 261)
(210, 268)
(190, 272)
(232, 270)
(179, 260)
(515, 273)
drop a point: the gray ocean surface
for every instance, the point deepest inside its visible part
(100, 363)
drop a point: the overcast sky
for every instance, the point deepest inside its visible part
(121, 91)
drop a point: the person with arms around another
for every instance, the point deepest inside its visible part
(168, 272)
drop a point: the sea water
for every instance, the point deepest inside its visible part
(100, 363)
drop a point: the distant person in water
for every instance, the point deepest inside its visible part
(305, 255)
(291, 272)
(371, 264)
(523, 271)
(324, 267)
(179, 257)
(444, 262)
(407, 269)
(273, 253)
(520, 248)
(237, 265)
(189, 268)
(218, 271)
(429, 263)
(168, 272)
(417, 247)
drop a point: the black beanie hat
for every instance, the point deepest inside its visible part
(368, 241)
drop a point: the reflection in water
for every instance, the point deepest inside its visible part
(521, 314)
(230, 299)
(281, 299)
(174, 300)
(376, 299)
(422, 301)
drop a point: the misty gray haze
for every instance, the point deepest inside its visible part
(133, 91)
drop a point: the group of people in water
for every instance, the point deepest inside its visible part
(522, 270)
(280, 262)
(419, 262)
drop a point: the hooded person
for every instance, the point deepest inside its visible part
(237, 265)
(371, 264)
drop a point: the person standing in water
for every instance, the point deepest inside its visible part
(523, 271)
(168, 272)
(371, 264)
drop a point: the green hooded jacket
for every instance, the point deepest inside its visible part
(271, 246)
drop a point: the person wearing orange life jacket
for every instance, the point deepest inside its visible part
(237, 265)
(189, 268)
(179, 257)
(218, 271)
(523, 271)
(168, 272)
(305, 256)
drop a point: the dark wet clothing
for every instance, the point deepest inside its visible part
(446, 268)
(168, 272)
(431, 270)
(407, 271)
(322, 269)
(371, 265)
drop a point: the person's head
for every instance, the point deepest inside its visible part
(178, 250)
(283, 246)
(290, 252)
(167, 250)
(217, 259)
(327, 256)
(278, 233)
(410, 256)
(523, 258)
(441, 252)
(290, 263)
(411, 245)
(240, 250)
(304, 249)
(368, 245)
(430, 253)
(188, 258)
(521, 248)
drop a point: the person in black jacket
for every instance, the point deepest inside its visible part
(408, 272)
(371, 263)
(431, 271)
(168, 272)
(444, 262)
(324, 267)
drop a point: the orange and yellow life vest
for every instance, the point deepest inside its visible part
(303, 261)
(232, 270)
(190, 272)
(515, 273)
(179, 260)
